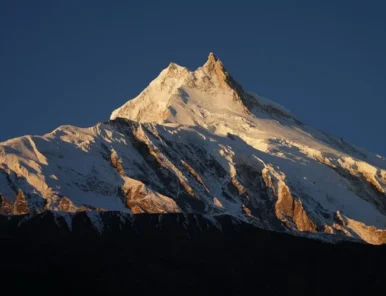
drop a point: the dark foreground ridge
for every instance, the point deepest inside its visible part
(177, 254)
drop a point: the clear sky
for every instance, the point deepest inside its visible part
(73, 62)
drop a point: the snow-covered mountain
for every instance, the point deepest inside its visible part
(197, 142)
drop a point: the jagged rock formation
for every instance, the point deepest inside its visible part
(197, 142)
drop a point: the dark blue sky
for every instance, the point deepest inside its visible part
(73, 62)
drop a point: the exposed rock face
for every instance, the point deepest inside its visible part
(197, 142)
(116, 162)
(5, 206)
(21, 204)
(66, 205)
(140, 199)
(291, 211)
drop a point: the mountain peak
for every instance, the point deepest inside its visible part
(214, 66)
(212, 57)
(174, 70)
(179, 95)
(213, 70)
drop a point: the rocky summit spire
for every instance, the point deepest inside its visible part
(214, 67)
(212, 57)
(214, 64)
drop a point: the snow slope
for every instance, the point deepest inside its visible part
(197, 142)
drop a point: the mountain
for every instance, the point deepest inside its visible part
(195, 142)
